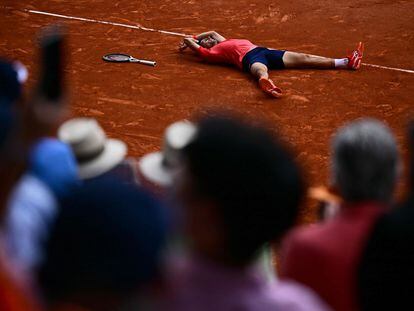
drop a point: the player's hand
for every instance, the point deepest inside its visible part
(182, 46)
(186, 43)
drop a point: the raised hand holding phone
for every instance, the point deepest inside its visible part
(51, 84)
(46, 107)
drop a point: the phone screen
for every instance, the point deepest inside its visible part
(51, 83)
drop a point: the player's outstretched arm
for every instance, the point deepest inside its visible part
(189, 42)
(213, 34)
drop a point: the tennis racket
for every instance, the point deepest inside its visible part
(124, 58)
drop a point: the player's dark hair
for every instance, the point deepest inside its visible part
(252, 179)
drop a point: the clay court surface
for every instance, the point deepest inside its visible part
(135, 103)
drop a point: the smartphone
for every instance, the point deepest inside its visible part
(52, 62)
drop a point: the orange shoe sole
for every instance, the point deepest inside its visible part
(268, 86)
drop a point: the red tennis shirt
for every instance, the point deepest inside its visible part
(230, 51)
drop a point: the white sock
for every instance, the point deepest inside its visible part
(341, 63)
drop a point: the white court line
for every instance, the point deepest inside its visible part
(107, 23)
(168, 32)
(389, 68)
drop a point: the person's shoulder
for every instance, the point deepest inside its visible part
(307, 234)
(292, 296)
(313, 241)
(394, 229)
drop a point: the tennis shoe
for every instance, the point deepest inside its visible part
(355, 58)
(269, 87)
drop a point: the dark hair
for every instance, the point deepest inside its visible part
(10, 86)
(107, 238)
(7, 119)
(251, 177)
(10, 91)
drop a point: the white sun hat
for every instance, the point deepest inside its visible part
(95, 153)
(157, 167)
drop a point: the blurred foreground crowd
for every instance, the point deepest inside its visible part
(196, 225)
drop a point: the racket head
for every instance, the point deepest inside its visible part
(116, 58)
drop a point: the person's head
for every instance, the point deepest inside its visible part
(365, 161)
(208, 42)
(105, 246)
(156, 169)
(12, 76)
(11, 151)
(53, 162)
(239, 189)
(95, 153)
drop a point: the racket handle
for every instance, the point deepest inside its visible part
(144, 62)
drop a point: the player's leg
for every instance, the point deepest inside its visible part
(260, 71)
(301, 60)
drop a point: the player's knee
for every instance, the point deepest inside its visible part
(258, 70)
(303, 58)
(255, 70)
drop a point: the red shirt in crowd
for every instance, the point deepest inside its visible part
(230, 51)
(325, 257)
(12, 296)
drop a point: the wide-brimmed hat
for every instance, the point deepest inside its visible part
(157, 167)
(95, 153)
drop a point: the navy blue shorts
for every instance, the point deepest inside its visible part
(273, 59)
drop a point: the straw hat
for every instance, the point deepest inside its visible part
(95, 153)
(157, 166)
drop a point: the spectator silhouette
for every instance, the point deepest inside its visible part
(156, 169)
(96, 154)
(104, 248)
(34, 202)
(238, 189)
(386, 272)
(14, 294)
(325, 256)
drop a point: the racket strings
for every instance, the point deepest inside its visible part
(117, 57)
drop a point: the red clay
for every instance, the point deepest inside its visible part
(135, 102)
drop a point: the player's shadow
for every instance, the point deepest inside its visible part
(191, 59)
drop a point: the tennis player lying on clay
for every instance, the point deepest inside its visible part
(256, 60)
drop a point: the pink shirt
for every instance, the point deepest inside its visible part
(230, 51)
(197, 284)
